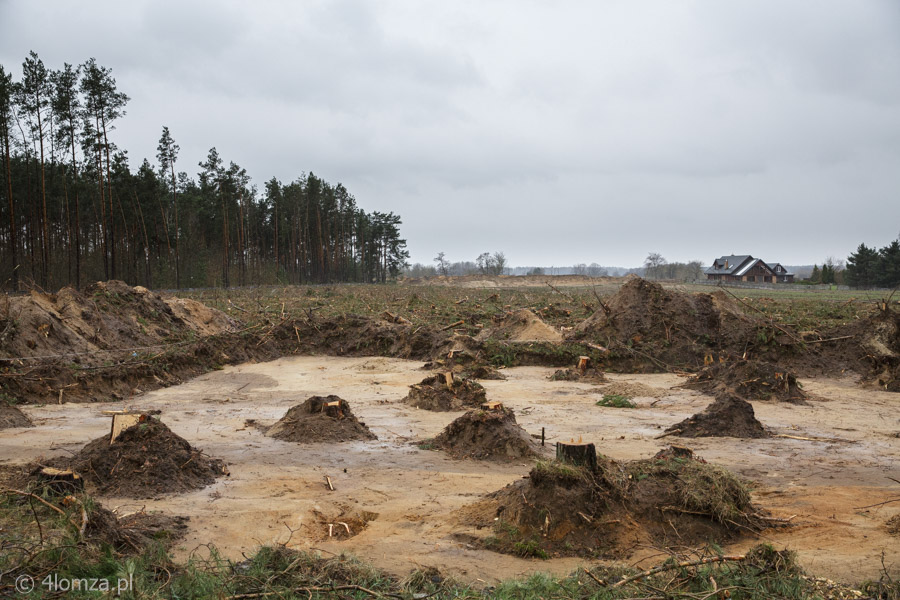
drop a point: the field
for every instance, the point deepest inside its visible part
(822, 481)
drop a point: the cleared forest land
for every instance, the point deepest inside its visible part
(322, 420)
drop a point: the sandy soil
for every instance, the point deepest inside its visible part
(276, 491)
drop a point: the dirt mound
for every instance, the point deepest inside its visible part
(892, 525)
(357, 335)
(591, 375)
(320, 419)
(879, 347)
(434, 393)
(132, 534)
(649, 328)
(106, 340)
(10, 417)
(632, 390)
(521, 326)
(728, 416)
(107, 316)
(561, 510)
(751, 379)
(486, 434)
(145, 461)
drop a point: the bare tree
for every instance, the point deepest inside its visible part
(653, 265)
(442, 264)
(498, 263)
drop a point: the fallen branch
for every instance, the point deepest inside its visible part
(879, 504)
(452, 325)
(309, 590)
(834, 339)
(681, 565)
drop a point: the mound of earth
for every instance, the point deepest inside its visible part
(357, 335)
(892, 525)
(145, 461)
(132, 534)
(878, 346)
(591, 375)
(106, 316)
(561, 510)
(10, 417)
(320, 419)
(752, 379)
(521, 326)
(650, 328)
(632, 390)
(435, 393)
(486, 434)
(728, 416)
(79, 338)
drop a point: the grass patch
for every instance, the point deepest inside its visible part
(616, 401)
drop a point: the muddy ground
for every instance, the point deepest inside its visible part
(276, 491)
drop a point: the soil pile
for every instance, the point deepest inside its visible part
(357, 335)
(728, 416)
(320, 419)
(108, 340)
(10, 417)
(561, 510)
(134, 533)
(520, 326)
(879, 345)
(486, 435)
(145, 461)
(649, 328)
(107, 316)
(892, 525)
(751, 379)
(632, 390)
(435, 393)
(590, 375)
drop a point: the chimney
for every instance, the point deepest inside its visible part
(726, 263)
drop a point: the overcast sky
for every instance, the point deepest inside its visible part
(557, 132)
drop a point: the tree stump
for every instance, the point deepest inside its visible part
(59, 482)
(580, 455)
(333, 409)
(448, 379)
(583, 363)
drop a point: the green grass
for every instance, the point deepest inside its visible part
(616, 401)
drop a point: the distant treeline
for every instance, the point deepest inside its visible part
(73, 211)
(868, 267)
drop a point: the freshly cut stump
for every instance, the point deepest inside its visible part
(486, 435)
(728, 416)
(579, 455)
(320, 419)
(145, 461)
(435, 393)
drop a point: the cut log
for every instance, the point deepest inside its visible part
(492, 405)
(448, 379)
(580, 455)
(60, 482)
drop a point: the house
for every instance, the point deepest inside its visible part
(743, 267)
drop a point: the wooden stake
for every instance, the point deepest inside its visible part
(328, 483)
